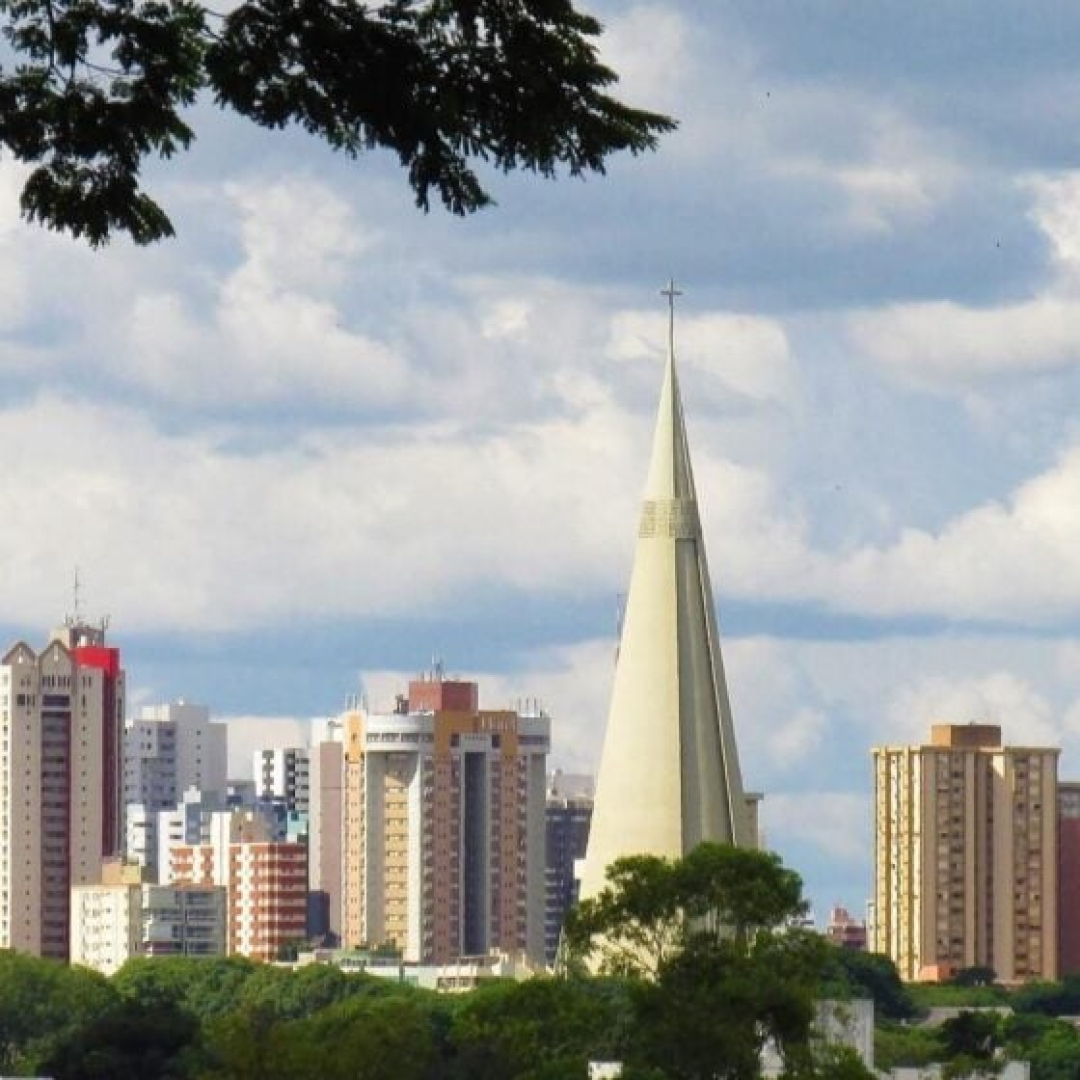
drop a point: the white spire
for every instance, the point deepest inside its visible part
(669, 774)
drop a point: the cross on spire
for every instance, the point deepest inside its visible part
(671, 292)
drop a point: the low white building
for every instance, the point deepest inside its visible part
(125, 916)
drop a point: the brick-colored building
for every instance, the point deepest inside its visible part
(266, 882)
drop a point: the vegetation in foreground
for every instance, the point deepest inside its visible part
(683, 970)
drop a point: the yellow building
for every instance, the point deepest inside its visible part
(443, 827)
(966, 855)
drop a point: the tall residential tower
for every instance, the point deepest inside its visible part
(61, 722)
(444, 826)
(966, 855)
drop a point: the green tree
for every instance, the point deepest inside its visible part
(853, 973)
(98, 86)
(538, 1028)
(130, 1039)
(204, 987)
(653, 908)
(717, 974)
(43, 1003)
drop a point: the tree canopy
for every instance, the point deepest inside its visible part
(92, 88)
(716, 972)
(653, 908)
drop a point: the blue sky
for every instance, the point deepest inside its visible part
(321, 437)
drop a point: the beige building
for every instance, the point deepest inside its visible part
(325, 823)
(61, 725)
(444, 826)
(125, 916)
(966, 855)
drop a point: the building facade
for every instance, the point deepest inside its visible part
(265, 881)
(568, 814)
(61, 723)
(283, 773)
(325, 830)
(124, 916)
(169, 750)
(443, 823)
(966, 855)
(1068, 877)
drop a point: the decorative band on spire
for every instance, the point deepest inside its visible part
(675, 519)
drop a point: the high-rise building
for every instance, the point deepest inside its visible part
(283, 773)
(567, 815)
(669, 774)
(265, 879)
(1068, 877)
(325, 825)
(61, 719)
(966, 855)
(845, 930)
(444, 826)
(168, 750)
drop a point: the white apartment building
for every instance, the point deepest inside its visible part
(60, 757)
(125, 917)
(283, 773)
(168, 749)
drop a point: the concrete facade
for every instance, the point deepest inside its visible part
(669, 774)
(966, 855)
(444, 827)
(61, 719)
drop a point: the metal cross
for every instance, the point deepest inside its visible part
(671, 292)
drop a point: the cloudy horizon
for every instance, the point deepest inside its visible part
(321, 437)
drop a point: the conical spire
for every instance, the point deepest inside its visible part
(669, 774)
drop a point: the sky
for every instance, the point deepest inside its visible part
(321, 438)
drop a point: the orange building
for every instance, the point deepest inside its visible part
(444, 826)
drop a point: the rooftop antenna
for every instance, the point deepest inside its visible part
(74, 618)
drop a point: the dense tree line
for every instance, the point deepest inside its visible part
(683, 970)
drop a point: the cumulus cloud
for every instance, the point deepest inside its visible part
(180, 531)
(748, 355)
(999, 697)
(945, 344)
(836, 823)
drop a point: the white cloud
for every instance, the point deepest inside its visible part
(999, 697)
(835, 822)
(1009, 560)
(938, 342)
(649, 46)
(749, 355)
(945, 344)
(246, 734)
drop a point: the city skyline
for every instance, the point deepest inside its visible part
(295, 454)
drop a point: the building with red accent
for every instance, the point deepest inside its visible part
(61, 727)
